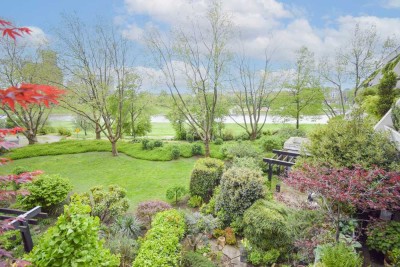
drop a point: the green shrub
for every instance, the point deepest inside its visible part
(259, 257)
(227, 135)
(394, 256)
(197, 149)
(265, 225)
(242, 136)
(124, 246)
(150, 145)
(175, 152)
(144, 143)
(218, 233)
(64, 132)
(239, 150)
(209, 208)
(10, 239)
(175, 193)
(47, 130)
(147, 209)
(240, 188)
(340, 255)
(396, 117)
(271, 142)
(384, 237)
(73, 241)
(205, 177)
(250, 163)
(193, 259)
(195, 201)
(158, 143)
(161, 245)
(20, 169)
(218, 141)
(286, 133)
(46, 191)
(107, 204)
(190, 138)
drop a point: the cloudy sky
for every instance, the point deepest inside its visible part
(283, 25)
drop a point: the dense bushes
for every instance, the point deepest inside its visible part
(46, 191)
(271, 142)
(265, 225)
(205, 176)
(149, 145)
(384, 237)
(197, 149)
(161, 245)
(193, 259)
(240, 188)
(64, 132)
(239, 150)
(340, 255)
(73, 241)
(108, 203)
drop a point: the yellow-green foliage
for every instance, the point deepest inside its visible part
(161, 245)
(73, 241)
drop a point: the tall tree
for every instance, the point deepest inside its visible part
(199, 55)
(96, 61)
(254, 93)
(302, 94)
(26, 64)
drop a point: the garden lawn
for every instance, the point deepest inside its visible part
(144, 180)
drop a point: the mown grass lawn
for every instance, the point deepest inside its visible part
(144, 180)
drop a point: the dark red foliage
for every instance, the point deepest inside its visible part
(6, 180)
(8, 29)
(146, 210)
(363, 189)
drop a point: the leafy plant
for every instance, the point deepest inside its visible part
(64, 132)
(175, 152)
(396, 117)
(73, 241)
(190, 138)
(384, 237)
(195, 201)
(197, 149)
(128, 226)
(158, 143)
(259, 257)
(175, 193)
(271, 142)
(230, 236)
(240, 188)
(218, 141)
(265, 225)
(161, 245)
(124, 246)
(340, 255)
(146, 210)
(194, 259)
(250, 163)
(46, 191)
(239, 150)
(205, 177)
(107, 204)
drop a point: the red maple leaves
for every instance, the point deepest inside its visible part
(26, 94)
(10, 30)
(373, 189)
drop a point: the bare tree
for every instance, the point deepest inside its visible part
(22, 64)
(96, 62)
(334, 72)
(254, 93)
(364, 54)
(200, 56)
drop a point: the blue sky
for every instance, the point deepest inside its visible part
(322, 25)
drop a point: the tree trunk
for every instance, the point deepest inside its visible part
(253, 135)
(98, 132)
(32, 139)
(207, 147)
(297, 121)
(114, 149)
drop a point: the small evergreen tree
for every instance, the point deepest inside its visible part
(386, 92)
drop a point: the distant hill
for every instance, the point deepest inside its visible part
(391, 62)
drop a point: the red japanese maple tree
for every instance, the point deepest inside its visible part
(345, 188)
(23, 95)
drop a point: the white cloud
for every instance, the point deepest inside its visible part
(37, 37)
(391, 4)
(262, 24)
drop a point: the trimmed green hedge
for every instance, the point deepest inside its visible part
(205, 177)
(161, 245)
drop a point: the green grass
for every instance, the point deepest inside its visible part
(144, 180)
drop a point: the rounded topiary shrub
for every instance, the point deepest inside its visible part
(265, 225)
(218, 141)
(240, 188)
(46, 191)
(197, 149)
(205, 177)
(175, 152)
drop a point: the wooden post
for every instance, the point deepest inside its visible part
(269, 172)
